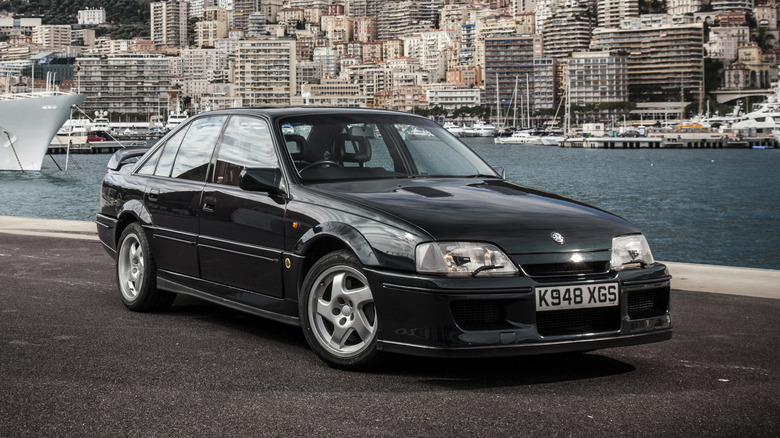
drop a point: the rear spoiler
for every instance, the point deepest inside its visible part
(121, 156)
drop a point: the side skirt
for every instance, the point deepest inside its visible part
(172, 286)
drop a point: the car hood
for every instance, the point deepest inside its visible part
(518, 219)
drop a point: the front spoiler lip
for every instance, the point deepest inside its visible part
(528, 348)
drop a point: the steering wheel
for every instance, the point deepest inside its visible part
(321, 163)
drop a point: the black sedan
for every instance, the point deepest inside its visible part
(374, 231)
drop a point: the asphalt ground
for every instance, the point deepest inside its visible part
(75, 362)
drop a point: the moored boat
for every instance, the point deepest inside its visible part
(519, 137)
(29, 123)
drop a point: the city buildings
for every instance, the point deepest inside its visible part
(420, 53)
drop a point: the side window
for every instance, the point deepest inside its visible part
(169, 153)
(247, 143)
(192, 161)
(148, 167)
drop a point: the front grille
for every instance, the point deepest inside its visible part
(648, 303)
(578, 321)
(563, 269)
(479, 315)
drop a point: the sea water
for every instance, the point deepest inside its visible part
(716, 206)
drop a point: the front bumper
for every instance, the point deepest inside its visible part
(465, 317)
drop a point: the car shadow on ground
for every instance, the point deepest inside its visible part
(442, 373)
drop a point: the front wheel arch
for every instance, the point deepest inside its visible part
(337, 312)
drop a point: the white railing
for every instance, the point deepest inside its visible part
(17, 96)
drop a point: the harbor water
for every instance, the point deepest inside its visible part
(714, 206)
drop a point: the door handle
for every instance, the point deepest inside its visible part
(209, 203)
(154, 194)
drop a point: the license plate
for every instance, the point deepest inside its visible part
(576, 296)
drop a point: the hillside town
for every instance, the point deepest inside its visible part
(448, 59)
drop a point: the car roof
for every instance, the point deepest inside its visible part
(278, 112)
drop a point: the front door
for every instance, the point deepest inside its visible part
(241, 231)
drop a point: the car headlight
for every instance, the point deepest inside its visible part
(630, 252)
(463, 259)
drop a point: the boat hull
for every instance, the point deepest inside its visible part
(27, 126)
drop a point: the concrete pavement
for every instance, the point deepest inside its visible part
(761, 283)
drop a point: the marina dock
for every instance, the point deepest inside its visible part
(669, 141)
(80, 145)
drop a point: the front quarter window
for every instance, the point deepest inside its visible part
(246, 144)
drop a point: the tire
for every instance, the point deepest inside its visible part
(337, 312)
(136, 273)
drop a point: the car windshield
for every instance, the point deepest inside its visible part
(360, 146)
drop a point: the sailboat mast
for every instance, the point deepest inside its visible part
(514, 117)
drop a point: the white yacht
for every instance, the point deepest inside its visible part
(174, 119)
(483, 129)
(29, 123)
(764, 118)
(519, 137)
(454, 128)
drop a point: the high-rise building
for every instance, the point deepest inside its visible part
(597, 77)
(398, 19)
(123, 83)
(509, 60)
(52, 36)
(664, 57)
(733, 5)
(568, 30)
(196, 8)
(169, 23)
(612, 12)
(242, 9)
(265, 71)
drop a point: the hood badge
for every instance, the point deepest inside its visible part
(557, 237)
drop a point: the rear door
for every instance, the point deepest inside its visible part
(242, 231)
(173, 194)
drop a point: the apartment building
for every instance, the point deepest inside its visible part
(338, 27)
(127, 83)
(665, 56)
(265, 72)
(724, 41)
(372, 78)
(208, 32)
(366, 29)
(611, 13)
(465, 76)
(52, 36)
(451, 97)
(568, 30)
(679, 7)
(493, 27)
(331, 92)
(397, 19)
(743, 6)
(392, 49)
(169, 23)
(597, 77)
(507, 60)
(328, 59)
(17, 27)
(545, 84)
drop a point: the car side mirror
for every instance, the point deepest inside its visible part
(261, 179)
(500, 170)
